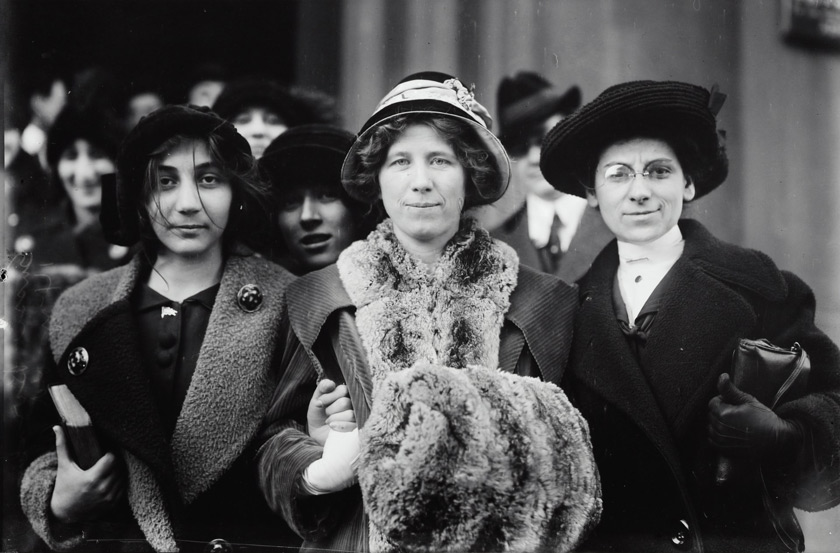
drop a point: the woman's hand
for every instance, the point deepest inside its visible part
(334, 471)
(329, 408)
(82, 494)
(741, 426)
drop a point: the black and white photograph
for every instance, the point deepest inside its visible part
(398, 276)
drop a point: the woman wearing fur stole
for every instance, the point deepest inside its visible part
(444, 351)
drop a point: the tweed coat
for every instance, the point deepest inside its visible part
(321, 335)
(591, 237)
(649, 425)
(198, 484)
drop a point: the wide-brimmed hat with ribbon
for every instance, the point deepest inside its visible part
(636, 108)
(437, 94)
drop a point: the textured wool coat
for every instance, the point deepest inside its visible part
(323, 338)
(649, 425)
(197, 485)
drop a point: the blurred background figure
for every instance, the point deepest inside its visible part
(142, 98)
(260, 109)
(315, 217)
(47, 94)
(205, 82)
(551, 231)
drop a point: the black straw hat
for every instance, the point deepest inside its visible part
(528, 99)
(246, 93)
(636, 108)
(73, 124)
(135, 153)
(435, 93)
(307, 154)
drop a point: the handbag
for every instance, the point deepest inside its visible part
(772, 375)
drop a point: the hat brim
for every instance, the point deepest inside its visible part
(538, 107)
(645, 108)
(431, 107)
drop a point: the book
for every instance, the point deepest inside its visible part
(82, 442)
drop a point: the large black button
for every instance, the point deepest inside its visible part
(218, 546)
(681, 539)
(77, 361)
(249, 298)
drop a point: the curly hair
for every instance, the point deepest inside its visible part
(480, 165)
(249, 221)
(699, 164)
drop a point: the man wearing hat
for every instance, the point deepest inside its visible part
(551, 231)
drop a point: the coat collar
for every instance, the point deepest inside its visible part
(230, 388)
(699, 322)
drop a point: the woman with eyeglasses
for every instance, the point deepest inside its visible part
(662, 309)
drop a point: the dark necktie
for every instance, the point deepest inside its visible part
(552, 252)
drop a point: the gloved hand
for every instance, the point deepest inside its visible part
(330, 407)
(334, 471)
(741, 426)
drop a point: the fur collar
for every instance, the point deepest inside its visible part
(450, 316)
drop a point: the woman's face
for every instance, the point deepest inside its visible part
(259, 126)
(80, 169)
(638, 208)
(422, 186)
(190, 206)
(315, 225)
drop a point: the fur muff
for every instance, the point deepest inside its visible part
(476, 460)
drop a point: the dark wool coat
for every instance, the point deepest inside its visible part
(198, 484)
(535, 340)
(657, 470)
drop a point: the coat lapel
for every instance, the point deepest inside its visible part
(114, 388)
(312, 300)
(543, 309)
(233, 379)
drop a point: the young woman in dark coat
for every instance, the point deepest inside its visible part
(172, 356)
(662, 309)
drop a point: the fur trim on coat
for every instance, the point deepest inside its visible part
(451, 315)
(457, 455)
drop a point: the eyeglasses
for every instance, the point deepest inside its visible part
(617, 175)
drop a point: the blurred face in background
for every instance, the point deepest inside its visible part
(525, 166)
(259, 126)
(80, 168)
(315, 225)
(45, 109)
(204, 93)
(141, 105)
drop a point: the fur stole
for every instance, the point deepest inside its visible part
(451, 315)
(457, 455)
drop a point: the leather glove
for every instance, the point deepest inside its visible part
(335, 470)
(741, 426)
(329, 408)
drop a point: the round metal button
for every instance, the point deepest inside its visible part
(218, 546)
(249, 298)
(680, 537)
(77, 361)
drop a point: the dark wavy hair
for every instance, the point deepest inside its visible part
(249, 220)
(700, 165)
(470, 151)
